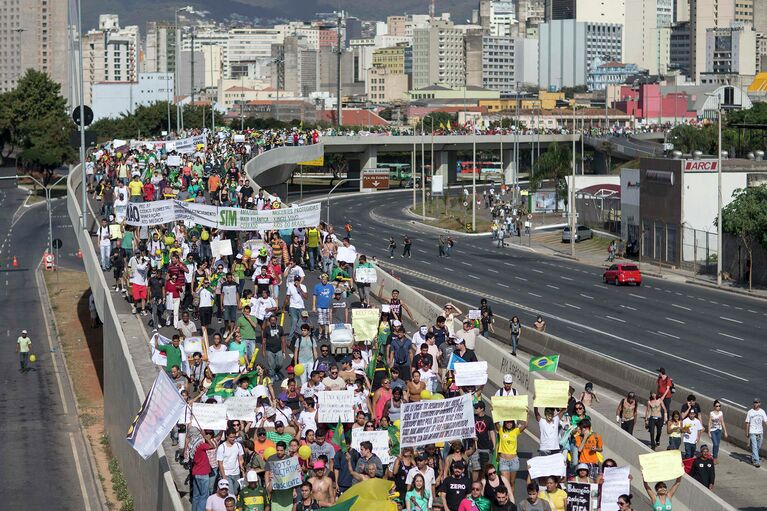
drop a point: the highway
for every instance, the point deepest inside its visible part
(706, 339)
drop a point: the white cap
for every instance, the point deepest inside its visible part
(23, 331)
(252, 476)
(508, 378)
(385, 307)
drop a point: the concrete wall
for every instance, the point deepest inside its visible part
(274, 167)
(125, 382)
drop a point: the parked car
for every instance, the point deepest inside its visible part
(623, 274)
(581, 233)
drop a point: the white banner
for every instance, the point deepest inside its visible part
(365, 275)
(543, 466)
(209, 416)
(157, 416)
(475, 314)
(426, 422)
(150, 213)
(616, 483)
(286, 473)
(335, 405)
(241, 408)
(158, 357)
(379, 439)
(174, 160)
(192, 345)
(471, 373)
(189, 145)
(221, 248)
(224, 361)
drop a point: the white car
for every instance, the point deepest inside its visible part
(581, 233)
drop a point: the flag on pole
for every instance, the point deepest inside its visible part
(338, 436)
(222, 385)
(546, 363)
(454, 359)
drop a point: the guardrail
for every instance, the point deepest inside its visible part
(273, 167)
(125, 382)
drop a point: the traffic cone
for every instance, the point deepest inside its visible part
(15, 262)
(79, 254)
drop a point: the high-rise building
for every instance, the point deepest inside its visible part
(384, 86)
(438, 55)
(394, 59)
(33, 35)
(159, 48)
(508, 63)
(681, 11)
(731, 50)
(647, 35)
(593, 11)
(705, 14)
(760, 16)
(110, 53)
(679, 48)
(395, 25)
(113, 99)
(744, 11)
(249, 51)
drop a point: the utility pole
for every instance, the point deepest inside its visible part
(474, 183)
(338, 77)
(192, 68)
(84, 197)
(572, 190)
(719, 243)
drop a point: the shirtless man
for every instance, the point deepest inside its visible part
(322, 486)
(415, 386)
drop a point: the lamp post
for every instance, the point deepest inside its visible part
(177, 55)
(474, 184)
(423, 171)
(718, 188)
(572, 192)
(84, 196)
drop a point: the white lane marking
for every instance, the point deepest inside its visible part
(79, 472)
(731, 336)
(712, 301)
(628, 307)
(739, 308)
(752, 311)
(676, 321)
(536, 271)
(502, 285)
(637, 296)
(600, 286)
(678, 293)
(552, 287)
(573, 306)
(668, 335)
(714, 375)
(587, 296)
(448, 268)
(681, 307)
(422, 251)
(565, 278)
(730, 319)
(492, 270)
(521, 278)
(533, 294)
(509, 264)
(734, 403)
(473, 276)
(729, 354)
(465, 263)
(725, 305)
(616, 319)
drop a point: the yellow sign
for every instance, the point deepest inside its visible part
(509, 408)
(365, 324)
(551, 393)
(661, 466)
(319, 162)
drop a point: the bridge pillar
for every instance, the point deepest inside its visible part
(441, 165)
(508, 166)
(452, 167)
(368, 160)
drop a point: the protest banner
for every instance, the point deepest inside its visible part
(193, 213)
(579, 497)
(149, 213)
(239, 138)
(174, 160)
(192, 345)
(346, 254)
(224, 361)
(221, 248)
(241, 408)
(544, 466)
(158, 414)
(551, 393)
(365, 275)
(187, 145)
(509, 408)
(616, 483)
(426, 422)
(209, 415)
(286, 473)
(475, 314)
(471, 373)
(379, 439)
(335, 405)
(661, 466)
(365, 324)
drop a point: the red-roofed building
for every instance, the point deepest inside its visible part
(352, 117)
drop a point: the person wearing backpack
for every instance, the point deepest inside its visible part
(665, 390)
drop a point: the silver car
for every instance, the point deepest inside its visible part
(581, 233)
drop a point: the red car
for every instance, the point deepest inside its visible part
(623, 274)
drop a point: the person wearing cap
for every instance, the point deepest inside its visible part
(231, 460)
(281, 500)
(279, 434)
(626, 413)
(339, 311)
(703, 469)
(23, 346)
(322, 294)
(261, 442)
(507, 389)
(216, 502)
(322, 485)
(755, 419)
(304, 347)
(463, 351)
(665, 390)
(582, 474)
(252, 497)
(454, 487)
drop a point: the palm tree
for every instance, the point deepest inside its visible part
(554, 165)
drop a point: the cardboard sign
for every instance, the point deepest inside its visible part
(286, 473)
(426, 422)
(379, 439)
(224, 361)
(661, 466)
(335, 405)
(509, 408)
(209, 416)
(241, 408)
(579, 497)
(616, 483)
(365, 324)
(365, 275)
(544, 466)
(551, 393)
(471, 373)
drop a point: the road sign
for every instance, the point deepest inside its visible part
(375, 179)
(57, 244)
(88, 115)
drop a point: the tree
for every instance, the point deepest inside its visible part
(555, 164)
(47, 146)
(746, 218)
(35, 97)
(440, 120)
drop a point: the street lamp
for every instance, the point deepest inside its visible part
(718, 189)
(277, 63)
(177, 55)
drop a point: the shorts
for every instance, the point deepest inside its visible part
(230, 313)
(511, 465)
(206, 316)
(139, 292)
(323, 316)
(474, 464)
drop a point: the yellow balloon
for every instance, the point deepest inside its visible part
(32, 358)
(205, 235)
(396, 423)
(269, 452)
(169, 240)
(248, 252)
(439, 445)
(298, 369)
(304, 452)
(425, 394)
(158, 252)
(437, 397)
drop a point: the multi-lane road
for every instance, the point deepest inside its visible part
(707, 339)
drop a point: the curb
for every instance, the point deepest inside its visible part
(741, 292)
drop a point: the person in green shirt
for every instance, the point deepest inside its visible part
(172, 352)
(247, 326)
(417, 499)
(252, 497)
(279, 434)
(23, 345)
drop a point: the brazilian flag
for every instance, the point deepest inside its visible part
(339, 438)
(222, 385)
(546, 363)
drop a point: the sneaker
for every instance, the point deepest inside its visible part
(117, 288)
(133, 310)
(151, 323)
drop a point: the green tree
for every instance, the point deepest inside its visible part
(47, 147)
(440, 120)
(746, 218)
(554, 165)
(35, 97)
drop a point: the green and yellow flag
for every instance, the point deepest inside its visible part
(546, 363)
(222, 385)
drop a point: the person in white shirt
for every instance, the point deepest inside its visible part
(139, 278)
(347, 252)
(549, 430)
(691, 428)
(263, 306)
(105, 243)
(507, 389)
(230, 458)
(295, 294)
(422, 467)
(755, 419)
(313, 386)
(307, 419)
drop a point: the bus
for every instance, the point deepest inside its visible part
(484, 169)
(397, 171)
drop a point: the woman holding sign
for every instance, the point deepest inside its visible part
(508, 461)
(661, 496)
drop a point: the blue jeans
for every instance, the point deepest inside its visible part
(514, 342)
(212, 481)
(674, 442)
(716, 439)
(250, 347)
(689, 450)
(104, 251)
(295, 320)
(274, 363)
(756, 445)
(200, 492)
(313, 255)
(234, 485)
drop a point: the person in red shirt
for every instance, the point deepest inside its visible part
(198, 453)
(665, 390)
(173, 288)
(148, 191)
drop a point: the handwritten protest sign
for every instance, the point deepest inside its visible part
(209, 416)
(335, 405)
(221, 248)
(241, 408)
(544, 466)
(426, 422)
(471, 373)
(174, 160)
(379, 439)
(365, 275)
(551, 393)
(224, 361)
(365, 324)
(475, 314)
(509, 408)
(616, 483)
(192, 345)
(579, 497)
(285, 473)
(661, 466)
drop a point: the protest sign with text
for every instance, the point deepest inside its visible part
(616, 483)
(426, 422)
(335, 405)
(551, 393)
(365, 275)
(286, 473)
(224, 361)
(509, 408)
(241, 408)
(578, 497)
(471, 373)
(365, 324)
(379, 439)
(544, 466)
(209, 415)
(158, 414)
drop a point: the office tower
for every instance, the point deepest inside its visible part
(705, 14)
(438, 55)
(110, 53)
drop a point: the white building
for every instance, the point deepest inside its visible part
(438, 55)
(508, 61)
(249, 51)
(503, 21)
(731, 50)
(705, 14)
(111, 99)
(110, 54)
(647, 36)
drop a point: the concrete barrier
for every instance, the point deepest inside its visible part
(125, 382)
(620, 446)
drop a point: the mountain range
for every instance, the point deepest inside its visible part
(264, 12)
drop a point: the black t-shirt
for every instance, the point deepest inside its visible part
(455, 490)
(422, 361)
(246, 191)
(483, 426)
(301, 507)
(468, 356)
(509, 506)
(695, 408)
(157, 287)
(273, 336)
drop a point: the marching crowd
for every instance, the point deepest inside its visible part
(281, 299)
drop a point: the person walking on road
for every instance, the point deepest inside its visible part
(755, 419)
(23, 346)
(626, 413)
(441, 246)
(392, 247)
(665, 390)
(653, 418)
(407, 246)
(716, 429)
